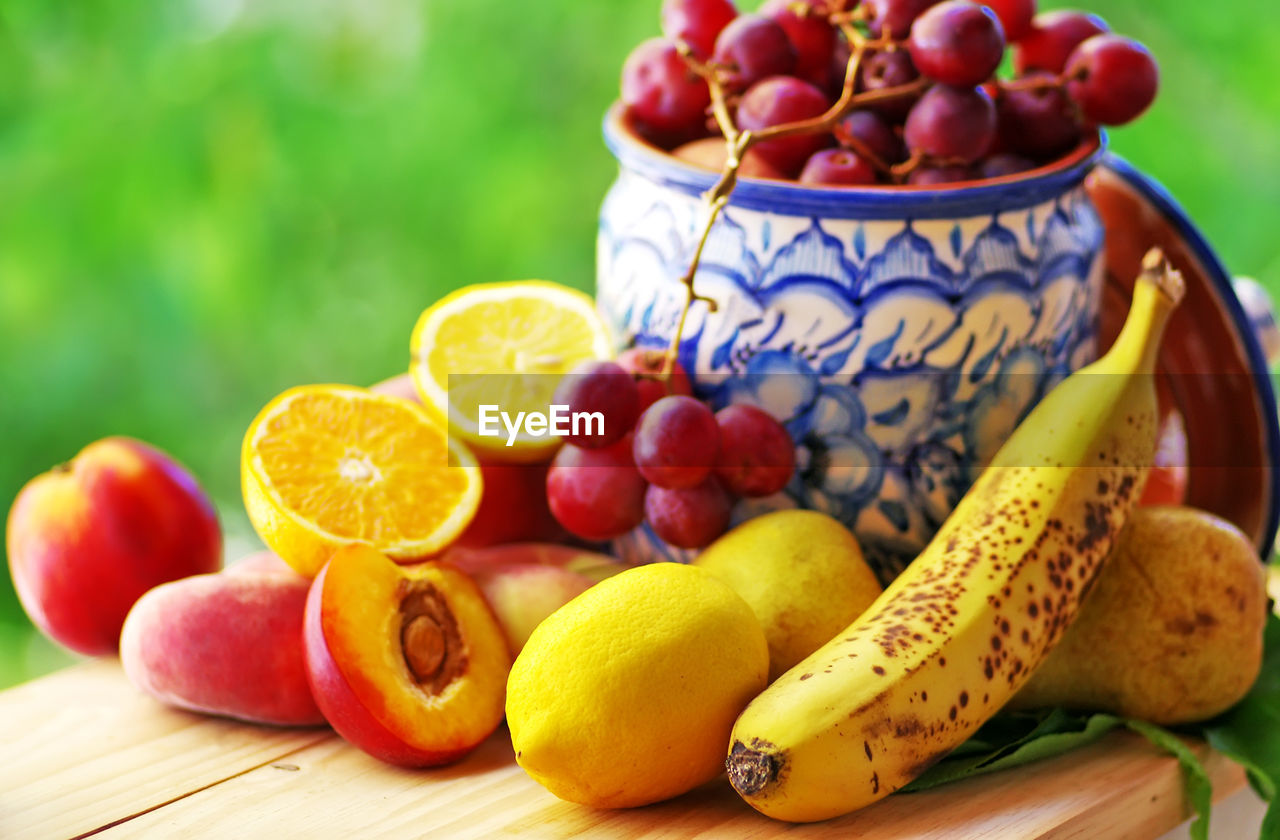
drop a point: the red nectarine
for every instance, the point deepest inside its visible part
(407, 663)
(590, 564)
(87, 538)
(1170, 473)
(513, 507)
(526, 582)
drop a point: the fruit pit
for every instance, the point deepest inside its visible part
(433, 647)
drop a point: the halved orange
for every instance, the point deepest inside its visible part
(324, 466)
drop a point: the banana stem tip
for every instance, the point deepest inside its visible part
(1156, 268)
(750, 770)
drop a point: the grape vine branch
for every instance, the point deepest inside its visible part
(1073, 75)
(739, 142)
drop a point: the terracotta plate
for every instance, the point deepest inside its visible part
(1211, 362)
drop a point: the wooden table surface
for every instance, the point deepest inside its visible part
(84, 754)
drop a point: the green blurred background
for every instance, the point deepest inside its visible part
(203, 202)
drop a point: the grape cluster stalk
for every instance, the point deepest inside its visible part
(917, 101)
(1072, 74)
(852, 24)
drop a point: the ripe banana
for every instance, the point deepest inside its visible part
(956, 635)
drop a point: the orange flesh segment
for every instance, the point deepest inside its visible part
(367, 470)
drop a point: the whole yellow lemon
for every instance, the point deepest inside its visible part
(803, 574)
(627, 694)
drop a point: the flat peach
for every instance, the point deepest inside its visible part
(224, 644)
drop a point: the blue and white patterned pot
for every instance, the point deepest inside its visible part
(900, 334)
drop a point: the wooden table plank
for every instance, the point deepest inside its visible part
(1119, 787)
(81, 749)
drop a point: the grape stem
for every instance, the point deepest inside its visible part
(739, 142)
(1030, 83)
(717, 204)
(902, 170)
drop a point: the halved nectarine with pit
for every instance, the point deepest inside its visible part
(406, 662)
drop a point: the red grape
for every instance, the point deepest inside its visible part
(888, 69)
(897, 15)
(932, 176)
(596, 494)
(957, 43)
(810, 33)
(645, 366)
(602, 388)
(872, 132)
(697, 22)
(1005, 163)
(837, 167)
(757, 457)
(1039, 122)
(1052, 37)
(778, 100)
(1015, 16)
(951, 124)
(662, 94)
(752, 48)
(676, 442)
(1112, 79)
(691, 517)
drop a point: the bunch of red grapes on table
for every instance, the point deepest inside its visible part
(663, 456)
(941, 115)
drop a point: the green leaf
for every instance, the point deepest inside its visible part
(1042, 735)
(1196, 781)
(1249, 732)
(1270, 824)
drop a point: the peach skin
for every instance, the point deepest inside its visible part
(224, 644)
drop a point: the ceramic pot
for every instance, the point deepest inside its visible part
(899, 333)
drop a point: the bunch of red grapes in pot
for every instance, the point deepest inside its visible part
(662, 456)
(950, 117)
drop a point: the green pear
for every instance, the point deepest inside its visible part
(803, 574)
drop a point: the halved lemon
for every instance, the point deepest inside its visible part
(504, 345)
(324, 466)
